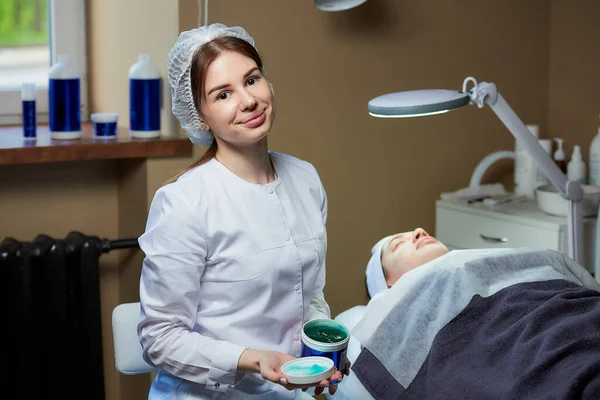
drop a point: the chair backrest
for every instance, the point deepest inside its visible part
(128, 350)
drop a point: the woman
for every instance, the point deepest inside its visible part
(235, 245)
(449, 328)
(401, 253)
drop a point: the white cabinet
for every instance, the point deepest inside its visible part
(522, 224)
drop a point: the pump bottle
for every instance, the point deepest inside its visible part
(559, 156)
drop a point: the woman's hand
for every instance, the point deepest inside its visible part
(336, 377)
(269, 363)
(347, 367)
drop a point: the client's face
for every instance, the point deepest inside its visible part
(407, 251)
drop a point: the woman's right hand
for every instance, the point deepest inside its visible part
(269, 363)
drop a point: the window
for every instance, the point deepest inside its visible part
(32, 34)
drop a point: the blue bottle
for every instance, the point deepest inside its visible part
(144, 99)
(29, 110)
(64, 100)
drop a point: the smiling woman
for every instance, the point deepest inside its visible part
(235, 245)
(212, 84)
(239, 108)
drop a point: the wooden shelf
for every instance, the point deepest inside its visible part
(15, 150)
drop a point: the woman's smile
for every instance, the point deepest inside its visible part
(255, 119)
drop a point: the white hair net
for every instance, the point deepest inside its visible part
(179, 63)
(375, 277)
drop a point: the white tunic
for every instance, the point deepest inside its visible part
(230, 265)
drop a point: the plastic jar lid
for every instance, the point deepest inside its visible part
(105, 117)
(308, 370)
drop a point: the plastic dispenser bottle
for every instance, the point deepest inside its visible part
(576, 167)
(64, 100)
(29, 110)
(525, 169)
(144, 99)
(559, 156)
(595, 162)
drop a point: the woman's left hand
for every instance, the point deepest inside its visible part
(333, 389)
(347, 368)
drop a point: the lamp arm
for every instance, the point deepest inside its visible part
(575, 234)
(486, 93)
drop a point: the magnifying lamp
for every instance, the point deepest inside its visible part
(430, 102)
(337, 5)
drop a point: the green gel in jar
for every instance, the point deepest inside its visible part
(325, 334)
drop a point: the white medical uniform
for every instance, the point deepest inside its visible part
(230, 265)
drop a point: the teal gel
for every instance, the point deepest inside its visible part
(306, 370)
(325, 334)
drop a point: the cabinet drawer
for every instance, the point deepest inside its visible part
(469, 231)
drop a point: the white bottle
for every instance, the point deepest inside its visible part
(576, 167)
(144, 99)
(525, 169)
(64, 100)
(595, 162)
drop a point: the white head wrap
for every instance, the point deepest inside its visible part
(375, 277)
(179, 63)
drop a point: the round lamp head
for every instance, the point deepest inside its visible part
(337, 5)
(417, 103)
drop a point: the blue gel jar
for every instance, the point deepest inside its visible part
(105, 125)
(326, 338)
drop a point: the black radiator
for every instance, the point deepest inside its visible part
(51, 322)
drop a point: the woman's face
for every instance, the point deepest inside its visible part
(238, 104)
(407, 251)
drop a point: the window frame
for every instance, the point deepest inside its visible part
(66, 35)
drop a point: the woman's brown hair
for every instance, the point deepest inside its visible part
(201, 60)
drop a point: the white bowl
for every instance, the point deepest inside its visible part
(551, 202)
(294, 370)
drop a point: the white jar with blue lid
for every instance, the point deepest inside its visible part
(144, 99)
(105, 125)
(64, 101)
(326, 338)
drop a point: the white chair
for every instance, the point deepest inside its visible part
(128, 350)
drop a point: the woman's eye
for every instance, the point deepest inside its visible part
(223, 96)
(399, 244)
(252, 80)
